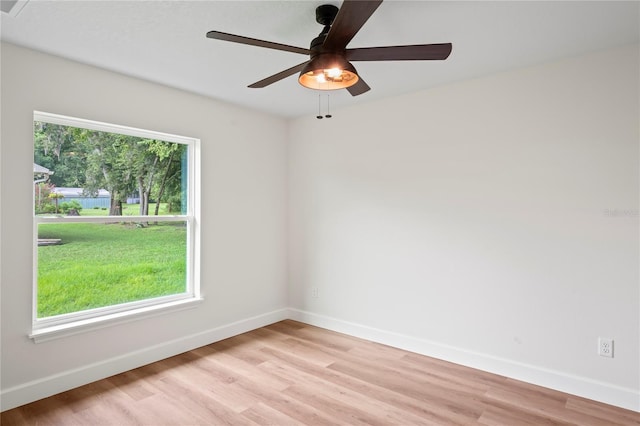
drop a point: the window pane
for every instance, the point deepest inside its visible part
(90, 265)
(83, 172)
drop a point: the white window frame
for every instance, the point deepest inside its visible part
(61, 325)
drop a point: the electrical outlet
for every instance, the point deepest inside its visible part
(605, 347)
(314, 292)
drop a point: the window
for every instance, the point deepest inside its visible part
(115, 223)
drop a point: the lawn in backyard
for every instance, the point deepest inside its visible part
(127, 210)
(100, 264)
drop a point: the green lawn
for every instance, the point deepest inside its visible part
(128, 210)
(104, 264)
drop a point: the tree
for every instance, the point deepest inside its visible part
(120, 164)
(171, 176)
(145, 170)
(167, 168)
(61, 148)
(106, 168)
(55, 197)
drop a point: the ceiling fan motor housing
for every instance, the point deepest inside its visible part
(325, 14)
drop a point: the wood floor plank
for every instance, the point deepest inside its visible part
(107, 415)
(130, 383)
(247, 371)
(338, 410)
(317, 384)
(479, 379)
(451, 407)
(530, 399)
(290, 373)
(262, 414)
(374, 393)
(203, 406)
(500, 416)
(325, 338)
(598, 410)
(376, 377)
(242, 347)
(303, 413)
(412, 380)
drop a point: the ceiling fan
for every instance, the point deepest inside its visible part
(329, 66)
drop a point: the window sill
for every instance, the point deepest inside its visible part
(44, 334)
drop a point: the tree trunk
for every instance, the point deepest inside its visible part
(144, 201)
(115, 207)
(164, 181)
(145, 191)
(147, 196)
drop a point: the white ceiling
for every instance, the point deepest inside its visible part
(164, 41)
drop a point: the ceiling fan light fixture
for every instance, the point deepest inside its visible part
(328, 72)
(327, 67)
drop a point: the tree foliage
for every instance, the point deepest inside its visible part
(56, 148)
(123, 165)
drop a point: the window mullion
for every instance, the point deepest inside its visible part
(109, 219)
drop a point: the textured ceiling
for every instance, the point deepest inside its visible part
(164, 41)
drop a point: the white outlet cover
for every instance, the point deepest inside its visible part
(605, 347)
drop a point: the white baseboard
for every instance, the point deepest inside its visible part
(575, 385)
(47, 386)
(42, 388)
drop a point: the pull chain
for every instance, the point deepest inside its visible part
(319, 116)
(328, 114)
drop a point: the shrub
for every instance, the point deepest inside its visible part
(174, 204)
(68, 205)
(43, 203)
(46, 208)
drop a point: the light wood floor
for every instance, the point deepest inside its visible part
(291, 373)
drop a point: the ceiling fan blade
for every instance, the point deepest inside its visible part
(351, 17)
(279, 76)
(255, 42)
(401, 53)
(359, 88)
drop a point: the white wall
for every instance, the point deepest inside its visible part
(492, 222)
(243, 220)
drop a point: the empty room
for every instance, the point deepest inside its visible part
(320, 212)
